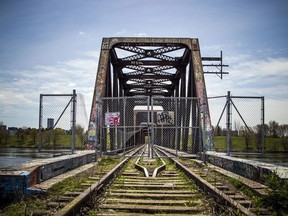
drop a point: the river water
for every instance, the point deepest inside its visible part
(280, 159)
(12, 158)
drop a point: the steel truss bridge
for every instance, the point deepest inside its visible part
(152, 90)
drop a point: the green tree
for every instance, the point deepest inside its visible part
(218, 131)
(21, 135)
(4, 135)
(56, 133)
(248, 136)
(237, 126)
(79, 131)
(283, 130)
(284, 142)
(33, 132)
(258, 132)
(273, 129)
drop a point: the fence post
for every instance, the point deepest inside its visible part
(40, 123)
(73, 121)
(228, 141)
(262, 125)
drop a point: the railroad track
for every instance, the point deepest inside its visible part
(69, 196)
(75, 196)
(139, 185)
(224, 186)
(169, 193)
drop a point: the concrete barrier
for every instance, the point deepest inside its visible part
(17, 183)
(253, 170)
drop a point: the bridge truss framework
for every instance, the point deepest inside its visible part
(155, 67)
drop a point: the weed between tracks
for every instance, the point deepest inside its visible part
(195, 200)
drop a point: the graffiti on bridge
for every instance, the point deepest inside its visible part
(165, 118)
(112, 118)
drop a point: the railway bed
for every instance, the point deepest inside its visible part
(139, 185)
(168, 193)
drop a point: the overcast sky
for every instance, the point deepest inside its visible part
(52, 46)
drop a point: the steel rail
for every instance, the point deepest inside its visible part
(75, 205)
(206, 186)
(143, 169)
(159, 169)
(138, 166)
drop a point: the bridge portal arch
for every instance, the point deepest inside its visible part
(158, 69)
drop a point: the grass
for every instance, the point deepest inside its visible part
(63, 142)
(276, 198)
(242, 187)
(238, 144)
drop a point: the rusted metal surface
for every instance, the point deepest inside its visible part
(208, 141)
(100, 83)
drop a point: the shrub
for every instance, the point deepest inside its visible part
(277, 194)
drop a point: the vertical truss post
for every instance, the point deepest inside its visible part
(100, 83)
(200, 91)
(97, 126)
(198, 130)
(183, 119)
(204, 131)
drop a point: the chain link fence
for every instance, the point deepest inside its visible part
(176, 124)
(58, 128)
(121, 124)
(238, 123)
(130, 121)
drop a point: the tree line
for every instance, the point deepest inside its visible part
(48, 136)
(52, 137)
(272, 129)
